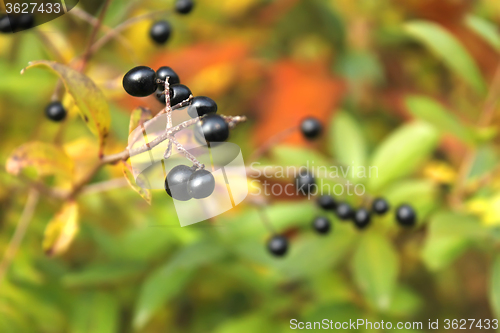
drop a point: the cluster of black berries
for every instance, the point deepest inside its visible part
(182, 182)
(13, 23)
(161, 30)
(405, 214)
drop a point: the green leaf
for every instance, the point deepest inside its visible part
(402, 153)
(61, 230)
(445, 46)
(376, 269)
(347, 142)
(102, 274)
(169, 280)
(495, 286)
(485, 29)
(433, 112)
(45, 158)
(145, 191)
(95, 312)
(88, 98)
(450, 234)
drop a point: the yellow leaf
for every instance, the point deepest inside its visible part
(488, 209)
(89, 99)
(45, 158)
(61, 230)
(138, 117)
(441, 172)
(144, 191)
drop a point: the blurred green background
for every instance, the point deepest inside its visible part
(409, 86)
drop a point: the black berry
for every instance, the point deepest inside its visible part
(321, 224)
(176, 182)
(362, 218)
(406, 215)
(214, 128)
(311, 128)
(55, 111)
(201, 106)
(160, 32)
(163, 72)
(327, 202)
(278, 245)
(25, 21)
(201, 184)
(184, 6)
(7, 23)
(140, 81)
(178, 93)
(380, 206)
(304, 182)
(344, 211)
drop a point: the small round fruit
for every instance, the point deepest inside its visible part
(327, 202)
(311, 128)
(304, 182)
(7, 23)
(201, 184)
(184, 6)
(26, 21)
(160, 32)
(201, 106)
(55, 111)
(140, 81)
(406, 215)
(277, 245)
(380, 206)
(176, 182)
(344, 211)
(214, 128)
(321, 224)
(362, 218)
(163, 72)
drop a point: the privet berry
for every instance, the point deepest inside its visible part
(277, 245)
(176, 182)
(362, 218)
(140, 81)
(201, 106)
(321, 224)
(6, 24)
(406, 215)
(55, 111)
(380, 206)
(163, 72)
(160, 32)
(327, 202)
(344, 211)
(214, 128)
(311, 128)
(201, 184)
(178, 93)
(184, 6)
(25, 21)
(304, 182)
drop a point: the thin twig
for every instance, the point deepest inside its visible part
(104, 186)
(271, 142)
(88, 52)
(80, 13)
(111, 34)
(19, 233)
